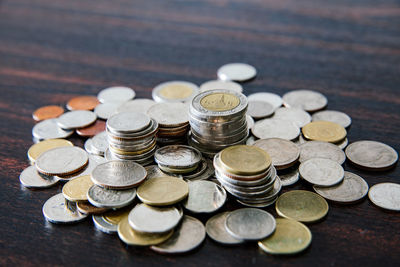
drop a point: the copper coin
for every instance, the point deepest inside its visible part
(47, 112)
(84, 102)
(87, 208)
(93, 129)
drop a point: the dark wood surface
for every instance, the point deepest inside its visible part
(51, 50)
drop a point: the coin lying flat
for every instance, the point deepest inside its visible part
(116, 94)
(386, 196)
(324, 131)
(302, 206)
(260, 109)
(108, 198)
(84, 102)
(274, 99)
(47, 112)
(139, 105)
(76, 189)
(250, 224)
(204, 197)
(371, 155)
(49, 129)
(289, 177)
(215, 228)
(177, 156)
(97, 127)
(174, 91)
(128, 122)
(55, 211)
(236, 72)
(296, 115)
(321, 172)
(76, 119)
(274, 128)
(31, 178)
(190, 234)
(352, 189)
(106, 110)
(305, 99)
(332, 116)
(103, 225)
(290, 237)
(218, 84)
(318, 149)
(37, 149)
(169, 114)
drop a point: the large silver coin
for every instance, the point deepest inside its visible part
(128, 122)
(188, 236)
(236, 72)
(174, 91)
(371, 155)
(332, 116)
(273, 128)
(218, 84)
(305, 99)
(116, 94)
(103, 225)
(289, 177)
(296, 115)
(139, 105)
(94, 160)
(49, 129)
(177, 156)
(30, 178)
(260, 109)
(118, 174)
(106, 110)
(62, 160)
(250, 224)
(274, 99)
(204, 197)
(55, 211)
(154, 220)
(322, 172)
(215, 228)
(76, 119)
(99, 143)
(108, 198)
(352, 189)
(386, 196)
(169, 114)
(319, 149)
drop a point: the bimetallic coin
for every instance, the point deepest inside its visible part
(321, 172)
(290, 237)
(104, 226)
(76, 119)
(274, 99)
(47, 112)
(239, 72)
(332, 116)
(55, 211)
(218, 84)
(289, 177)
(108, 198)
(76, 189)
(174, 91)
(303, 206)
(87, 208)
(128, 122)
(385, 196)
(296, 115)
(283, 153)
(215, 228)
(139, 105)
(305, 99)
(85, 102)
(31, 178)
(274, 128)
(250, 224)
(318, 149)
(177, 156)
(106, 110)
(97, 127)
(260, 109)
(204, 197)
(116, 94)
(169, 114)
(324, 131)
(49, 129)
(37, 149)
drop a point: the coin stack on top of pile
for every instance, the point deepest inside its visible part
(131, 136)
(217, 120)
(248, 174)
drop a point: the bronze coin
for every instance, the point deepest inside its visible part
(85, 102)
(97, 127)
(47, 112)
(87, 208)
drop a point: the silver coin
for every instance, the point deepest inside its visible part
(260, 109)
(153, 171)
(305, 99)
(342, 144)
(386, 196)
(319, 149)
(258, 205)
(118, 174)
(189, 235)
(371, 155)
(55, 211)
(350, 190)
(218, 84)
(94, 160)
(251, 140)
(236, 72)
(88, 147)
(76, 119)
(103, 225)
(250, 224)
(273, 128)
(177, 156)
(49, 129)
(289, 177)
(204, 197)
(62, 160)
(169, 114)
(109, 198)
(332, 116)
(175, 91)
(127, 122)
(154, 220)
(209, 172)
(99, 143)
(249, 121)
(106, 110)
(31, 178)
(116, 94)
(321, 172)
(139, 105)
(296, 115)
(215, 228)
(274, 99)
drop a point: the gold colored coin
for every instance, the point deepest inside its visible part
(37, 149)
(220, 102)
(133, 153)
(116, 216)
(77, 188)
(163, 191)
(290, 237)
(132, 237)
(176, 91)
(302, 206)
(245, 160)
(324, 131)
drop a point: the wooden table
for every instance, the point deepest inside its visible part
(51, 50)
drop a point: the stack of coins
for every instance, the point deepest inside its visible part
(217, 120)
(131, 136)
(248, 174)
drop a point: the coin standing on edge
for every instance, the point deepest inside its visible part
(215, 228)
(55, 211)
(239, 72)
(385, 196)
(321, 172)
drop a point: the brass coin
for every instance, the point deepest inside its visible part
(220, 102)
(163, 191)
(93, 129)
(37, 149)
(290, 237)
(47, 112)
(324, 131)
(86, 208)
(115, 216)
(176, 91)
(76, 189)
(302, 206)
(85, 102)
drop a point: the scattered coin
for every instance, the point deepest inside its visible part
(239, 72)
(49, 129)
(116, 94)
(204, 197)
(31, 178)
(289, 177)
(218, 84)
(274, 99)
(386, 196)
(55, 211)
(103, 225)
(169, 114)
(274, 128)
(324, 131)
(77, 189)
(115, 216)
(85, 102)
(260, 109)
(37, 149)
(318, 149)
(106, 110)
(296, 115)
(154, 172)
(332, 116)
(86, 208)
(139, 105)
(97, 127)
(109, 198)
(305, 99)
(47, 112)
(174, 91)
(76, 119)
(99, 144)
(321, 172)
(215, 228)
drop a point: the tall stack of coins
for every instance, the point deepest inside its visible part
(217, 120)
(131, 136)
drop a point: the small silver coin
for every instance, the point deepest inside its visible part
(49, 129)
(76, 119)
(350, 190)
(319, 149)
(305, 99)
(116, 94)
(204, 197)
(108, 198)
(273, 128)
(332, 116)
(215, 228)
(106, 110)
(296, 115)
(236, 72)
(175, 91)
(290, 177)
(103, 225)
(118, 174)
(31, 178)
(189, 235)
(178, 156)
(169, 114)
(250, 224)
(218, 84)
(321, 172)
(154, 220)
(128, 122)
(99, 143)
(55, 211)
(139, 105)
(274, 99)
(250, 122)
(260, 109)
(386, 196)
